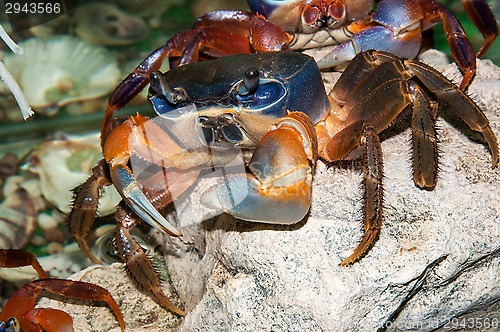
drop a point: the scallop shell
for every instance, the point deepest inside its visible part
(64, 164)
(62, 69)
(105, 24)
(17, 219)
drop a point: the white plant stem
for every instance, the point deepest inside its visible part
(9, 81)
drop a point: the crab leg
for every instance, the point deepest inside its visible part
(363, 134)
(481, 15)
(26, 297)
(463, 106)
(139, 134)
(282, 167)
(18, 258)
(82, 215)
(424, 138)
(137, 262)
(373, 193)
(460, 46)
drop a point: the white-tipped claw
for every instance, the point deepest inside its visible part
(129, 189)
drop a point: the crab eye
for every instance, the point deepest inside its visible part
(159, 86)
(249, 83)
(11, 325)
(251, 79)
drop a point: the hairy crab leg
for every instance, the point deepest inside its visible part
(280, 181)
(136, 260)
(84, 210)
(26, 297)
(373, 193)
(361, 133)
(463, 106)
(424, 138)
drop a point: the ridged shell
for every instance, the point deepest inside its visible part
(105, 24)
(63, 69)
(64, 164)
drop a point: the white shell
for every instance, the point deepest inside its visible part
(63, 165)
(62, 69)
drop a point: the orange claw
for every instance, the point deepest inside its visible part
(20, 308)
(266, 36)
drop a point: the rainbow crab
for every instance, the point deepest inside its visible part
(20, 314)
(271, 111)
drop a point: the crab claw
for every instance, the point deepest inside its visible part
(129, 188)
(282, 167)
(238, 195)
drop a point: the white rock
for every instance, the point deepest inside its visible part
(436, 261)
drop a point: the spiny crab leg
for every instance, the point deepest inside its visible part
(282, 167)
(134, 256)
(85, 204)
(380, 81)
(459, 102)
(365, 135)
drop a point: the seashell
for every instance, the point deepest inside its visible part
(62, 69)
(105, 24)
(104, 247)
(64, 164)
(17, 219)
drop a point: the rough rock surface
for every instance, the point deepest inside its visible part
(435, 265)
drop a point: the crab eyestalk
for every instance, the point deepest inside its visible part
(249, 83)
(160, 86)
